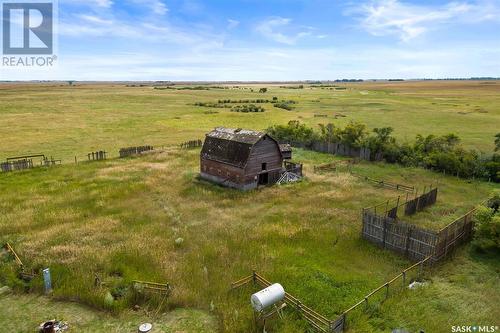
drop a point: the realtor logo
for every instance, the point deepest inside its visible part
(28, 34)
(27, 28)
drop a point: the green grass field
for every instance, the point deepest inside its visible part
(120, 218)
(67, 121)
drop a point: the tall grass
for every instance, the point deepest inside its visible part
(120, 219)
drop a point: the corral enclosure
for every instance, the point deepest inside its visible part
(123, 216)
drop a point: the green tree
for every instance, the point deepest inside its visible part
(487, 230)
(353, 134)
(383, 135)
(329, 132)
(497, 142)
(294, 131)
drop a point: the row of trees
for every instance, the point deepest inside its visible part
(441, 153)
(246, 108)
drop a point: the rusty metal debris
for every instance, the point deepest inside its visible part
(53, 326)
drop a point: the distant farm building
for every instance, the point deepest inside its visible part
(241, 159)
(286, 151)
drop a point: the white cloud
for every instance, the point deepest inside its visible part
(95, 19)
(146, 30)
(156, 6)
(231, 24)
(270, 30)
(408, 21)
(98, 3)
(226, 64)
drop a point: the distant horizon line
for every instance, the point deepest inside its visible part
(487, 78)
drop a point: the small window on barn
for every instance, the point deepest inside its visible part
(264, 166)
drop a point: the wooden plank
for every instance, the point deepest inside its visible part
(16, 257)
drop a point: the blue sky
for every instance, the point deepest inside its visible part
(273, 40)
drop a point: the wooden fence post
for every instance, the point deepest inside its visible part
(397, 206)
(408, 238)
(384, 232)
(445, 242)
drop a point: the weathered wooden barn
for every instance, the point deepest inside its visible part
(241, 159)
(286, 151)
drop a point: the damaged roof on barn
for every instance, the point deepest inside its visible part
(231, 146)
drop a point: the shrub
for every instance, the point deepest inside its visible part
(493, 168)
(353, 134)
(247, 108)
(440, 153)
(487, 230)
(284, 106)
(294, 131)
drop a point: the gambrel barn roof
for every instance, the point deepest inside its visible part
(231, 146)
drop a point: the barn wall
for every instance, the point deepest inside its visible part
(264, 151)
(228, 183)
(223, 171)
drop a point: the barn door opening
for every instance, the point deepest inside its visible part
(264, 179)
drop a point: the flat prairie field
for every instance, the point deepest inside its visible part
(150, 218)
(66, 121)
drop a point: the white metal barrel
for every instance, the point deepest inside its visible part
(267, 297)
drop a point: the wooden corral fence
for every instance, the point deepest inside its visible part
(26, 162)
(326, 167)
(415, 242)
(191, 144)
(97, 156)
(386, 184)
(46, 161)
(456, 233)
(131, 151)
(339, 325)
(335, 166)
(292, 167)
(420, 203)
(407, 204)
(316, 320)
(397, 283)
(16, 165)
(337, 148)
